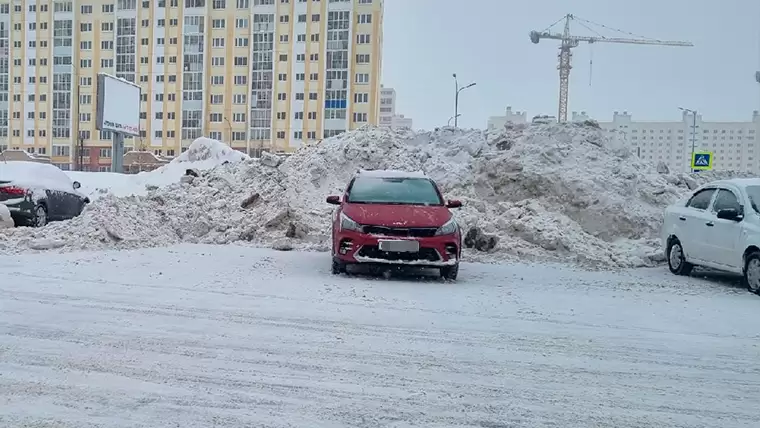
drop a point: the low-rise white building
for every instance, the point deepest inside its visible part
(400, 121)
(498, 122)
(734, 144)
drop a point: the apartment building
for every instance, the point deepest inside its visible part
(258, 74)
(388, 116)
(734, 144)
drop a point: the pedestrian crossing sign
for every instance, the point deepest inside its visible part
(702, 161)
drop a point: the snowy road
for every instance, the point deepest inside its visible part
(200, 337)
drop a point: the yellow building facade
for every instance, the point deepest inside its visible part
(258, 74)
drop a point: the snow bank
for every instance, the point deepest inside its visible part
(213, 152)
(544, 192)
(97, 184)
(6, 220)
(202, 154)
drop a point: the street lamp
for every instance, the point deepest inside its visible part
(452, 118)
(693, 114)
(229, 127)
(456, 97)
(76, 134)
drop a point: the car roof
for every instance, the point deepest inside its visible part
(36, 175)
(740, 182)
(390, 173)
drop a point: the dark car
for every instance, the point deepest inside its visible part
(37, 193)
(395, 218)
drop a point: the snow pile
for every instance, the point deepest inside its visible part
(202, 154)
(98, 184)
(541, 192)
(6, 220)
(208, 152)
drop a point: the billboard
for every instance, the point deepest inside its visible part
(118, 105)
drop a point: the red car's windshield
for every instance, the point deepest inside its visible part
(394, 191)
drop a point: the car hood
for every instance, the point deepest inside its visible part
(397, 215)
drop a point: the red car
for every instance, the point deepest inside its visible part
(395, 218)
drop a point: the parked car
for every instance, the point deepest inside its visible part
(395, 218)
(37, 193)
(718, 227)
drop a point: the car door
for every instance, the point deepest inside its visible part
(722, 236)
(56, 204)
(693, 219)
(72, 203)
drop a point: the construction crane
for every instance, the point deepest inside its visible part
(569, 41)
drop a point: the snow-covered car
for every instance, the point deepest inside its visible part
(395, 218)
(717, 227)
(36, 193)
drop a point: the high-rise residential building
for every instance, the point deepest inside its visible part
(735, 145)
(258, 74)
(387, 105)
(388, 116)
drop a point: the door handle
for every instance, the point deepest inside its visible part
(682, 218)
(709, 223)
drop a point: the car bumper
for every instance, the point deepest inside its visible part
(436, 251)
(20, 208)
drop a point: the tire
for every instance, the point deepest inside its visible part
(450, 272)
(752, 272)
(338, 267)
(40, 217)
(676, 260)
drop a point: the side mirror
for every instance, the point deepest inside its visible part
(77, 184)
(453, 203)
(730, 214)
(333, 200)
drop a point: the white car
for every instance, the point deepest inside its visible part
(717, 227)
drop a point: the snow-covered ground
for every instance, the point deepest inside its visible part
(198, 336)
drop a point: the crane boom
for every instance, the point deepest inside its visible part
(570, 41)
(578, 39)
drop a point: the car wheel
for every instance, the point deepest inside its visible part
(338, 267)
(752, 272)
(40, 218)
(677, 260)
(450, 272)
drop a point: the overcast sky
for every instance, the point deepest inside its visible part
(486, 41)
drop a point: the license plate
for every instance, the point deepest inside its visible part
(399, 246)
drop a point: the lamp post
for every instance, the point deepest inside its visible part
(229, 128)
(693, 132)
(452, 118)
(456, 98)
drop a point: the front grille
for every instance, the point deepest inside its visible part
(426, 254)
(411, 232)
